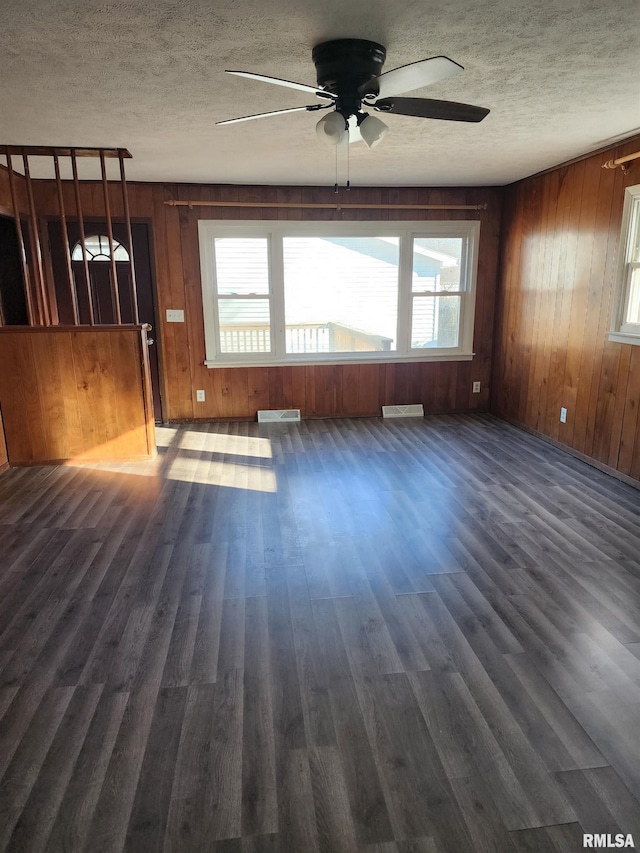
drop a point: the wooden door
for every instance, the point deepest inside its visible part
(100, 282)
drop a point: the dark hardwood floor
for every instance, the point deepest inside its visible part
(384, 636)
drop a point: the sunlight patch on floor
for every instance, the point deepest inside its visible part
(215, 442)
(234, 445)
(165, 435)
(218, 473)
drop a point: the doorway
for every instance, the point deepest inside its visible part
(13, 302)
(100, 281)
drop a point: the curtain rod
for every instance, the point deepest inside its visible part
(621, 161)
(326, 206)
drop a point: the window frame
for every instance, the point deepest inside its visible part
(276, 230)
(621, 331)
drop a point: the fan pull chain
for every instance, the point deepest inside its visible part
(348, 147)
(335, 186)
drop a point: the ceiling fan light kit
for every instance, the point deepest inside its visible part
(372, 129)
(349, 75)
(332, 128)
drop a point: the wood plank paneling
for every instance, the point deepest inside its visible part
(6, 206)
(559, 248)
(75, 393)
(559, 241)
(319, 391)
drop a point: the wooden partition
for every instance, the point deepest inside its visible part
(76, 393)
(560, 241)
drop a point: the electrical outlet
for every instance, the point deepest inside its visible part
(563, 415)
(476, 387)
(175, 315)
(199, 396)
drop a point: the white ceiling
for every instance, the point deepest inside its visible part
(561, 77)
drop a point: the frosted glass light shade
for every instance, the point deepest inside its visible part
(373, 131)
(332, 128)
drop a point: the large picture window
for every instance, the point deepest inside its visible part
(287, 292)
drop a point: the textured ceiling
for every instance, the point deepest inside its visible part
(561, 78)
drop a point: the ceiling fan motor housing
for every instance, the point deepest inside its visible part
(345, 66)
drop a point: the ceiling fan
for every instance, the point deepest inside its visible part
(350, 78)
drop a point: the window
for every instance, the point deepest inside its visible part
(299, 292)
(97, 249)
(626, 313)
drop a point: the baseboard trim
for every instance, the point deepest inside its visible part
(606, 469)
(4, 467)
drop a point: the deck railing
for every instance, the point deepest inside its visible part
(303, 338)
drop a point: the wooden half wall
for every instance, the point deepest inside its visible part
(75, 393)
(560, 239)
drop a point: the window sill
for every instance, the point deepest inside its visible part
(316, 362)
(624, 338)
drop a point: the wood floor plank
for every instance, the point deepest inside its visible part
(39, 813)
(312, 675)
(368, 808)
(108, 828)
(419, 797)
(486, 828)
(466, 745)
(553, 839)
(259, 791)
(204, 662)
(569, 746)
(206, 798)
(73, 821)
(23, 771)
(336, 832)
(148, 819)
(349, 635)
(602, 801)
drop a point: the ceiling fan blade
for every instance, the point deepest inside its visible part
(288, 83)
(407, 78)
(266, 115)
(428, 108)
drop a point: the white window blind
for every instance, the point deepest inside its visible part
(243, 291)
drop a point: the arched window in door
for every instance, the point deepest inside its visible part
(98, 249)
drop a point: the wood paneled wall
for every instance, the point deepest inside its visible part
(75, 393)
(319, 391)
(560, 240)
(6, 206)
